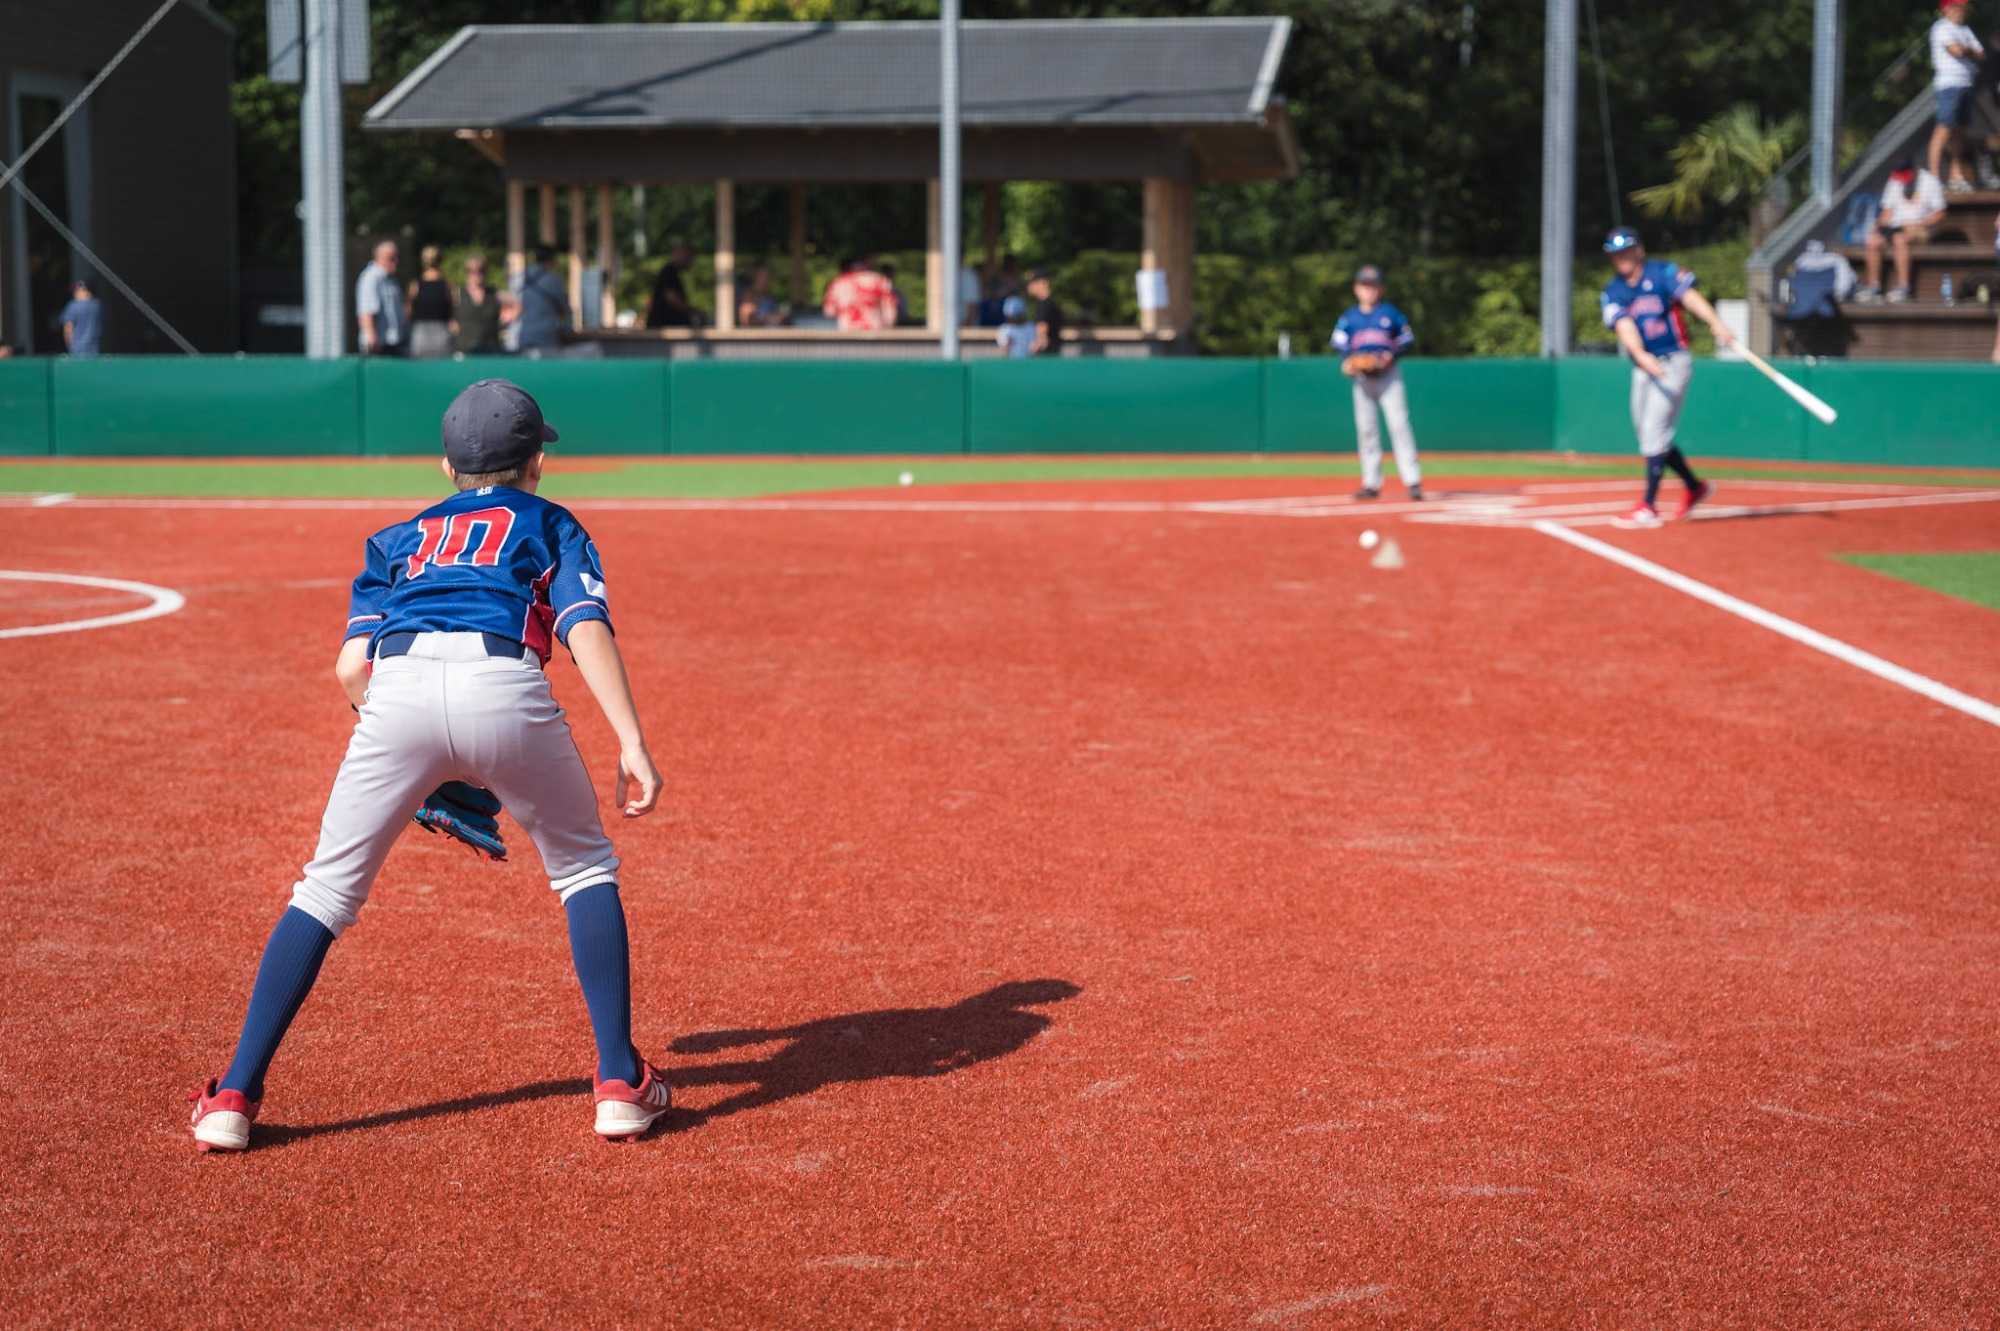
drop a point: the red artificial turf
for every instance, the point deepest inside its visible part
(1121, 920)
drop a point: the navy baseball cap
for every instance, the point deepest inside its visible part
(1621, 239)
(1369, 276)
(493, 426)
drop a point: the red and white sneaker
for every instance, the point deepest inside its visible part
(1693, 497)
(625, 1111)
(1642, 515)
(221, 1118)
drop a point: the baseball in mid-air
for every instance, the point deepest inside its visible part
(1369, 540)
(906, 479)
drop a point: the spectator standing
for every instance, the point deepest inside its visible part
(431, 323)
(669, 306)
(478, 312)
(1912, 203)
(1371, 336)
(1955, 58)
(510, 322)
(544, 304)
(82, 322)
(1049, 318)
(968, 296)
(860, 300)
(378, 305)
(1016, 335)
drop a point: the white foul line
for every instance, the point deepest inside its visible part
(1819, 642)
(164, 601)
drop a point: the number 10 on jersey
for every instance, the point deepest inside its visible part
(447, 539)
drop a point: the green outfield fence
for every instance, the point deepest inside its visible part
(1919, 415)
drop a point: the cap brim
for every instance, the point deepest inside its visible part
(549, 435)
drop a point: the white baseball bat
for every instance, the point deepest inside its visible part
(1825, 414)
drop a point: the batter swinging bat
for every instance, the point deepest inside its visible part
(1825, 414)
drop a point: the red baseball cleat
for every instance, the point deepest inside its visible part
(1693, 497)
(1642, 515)
(221, 1118)
(624, 1111)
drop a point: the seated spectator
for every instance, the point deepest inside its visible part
(669, 306)
(1821, 279)
(82, 322)
(758, 308)
(430, 309)
(544, 304)
(860, 300)
(1016, 335)
(1912, 203)
(478, 312)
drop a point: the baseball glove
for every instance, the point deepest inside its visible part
(1369, 362)
(466, 812)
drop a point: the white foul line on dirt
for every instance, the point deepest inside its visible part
(162, 601)
(1923, 685)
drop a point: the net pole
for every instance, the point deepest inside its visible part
(1558, 175)
(949, 191)
(1826, 69)
(322, 176)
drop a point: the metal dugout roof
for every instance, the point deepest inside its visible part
(1185, 99)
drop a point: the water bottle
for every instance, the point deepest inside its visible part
(1944, 289)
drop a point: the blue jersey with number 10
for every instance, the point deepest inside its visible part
(1653, 303)
(491, 560)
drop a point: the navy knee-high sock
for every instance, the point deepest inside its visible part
(284, 977)
(597, 944)
(1655, 467)
(1679, 462)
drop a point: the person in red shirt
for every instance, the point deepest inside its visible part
(861, 300)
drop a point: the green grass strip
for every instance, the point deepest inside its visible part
(751, 478)
(1970, 576)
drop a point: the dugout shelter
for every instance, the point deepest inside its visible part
(569, 112)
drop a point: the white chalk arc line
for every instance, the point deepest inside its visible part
(161, 601)
(1923, 685)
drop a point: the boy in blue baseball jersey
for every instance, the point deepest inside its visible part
(451, 621)
(1642, 304)
(1371, 336)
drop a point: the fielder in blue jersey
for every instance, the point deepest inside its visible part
(1371, 336)
(450, 624)
(1643, 305)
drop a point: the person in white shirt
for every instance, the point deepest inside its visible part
(378, 305)
(1955, 57)
(1912, 203)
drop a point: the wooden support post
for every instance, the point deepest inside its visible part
(547, 232)
(1154, 244)
(725, 254)
(517, 230)
(607, 261)
(939, 286)
(1180, 265)
(576, 252)
(801, 297)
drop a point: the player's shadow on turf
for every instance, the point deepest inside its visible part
(865, 1046)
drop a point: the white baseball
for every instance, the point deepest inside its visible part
(1369, 540)
(906, 479)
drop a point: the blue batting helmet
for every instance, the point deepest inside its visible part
(1621, 239)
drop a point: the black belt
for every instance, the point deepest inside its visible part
(398, 644)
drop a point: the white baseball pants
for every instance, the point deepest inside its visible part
(447, 711)
(1657, 403)
(1385, 390)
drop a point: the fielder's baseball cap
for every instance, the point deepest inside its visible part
(494, 425)
(1620, 239)
(1369, 275)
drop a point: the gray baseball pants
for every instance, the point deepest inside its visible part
(1384, 390)
(1657, 403)
(449, 712)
